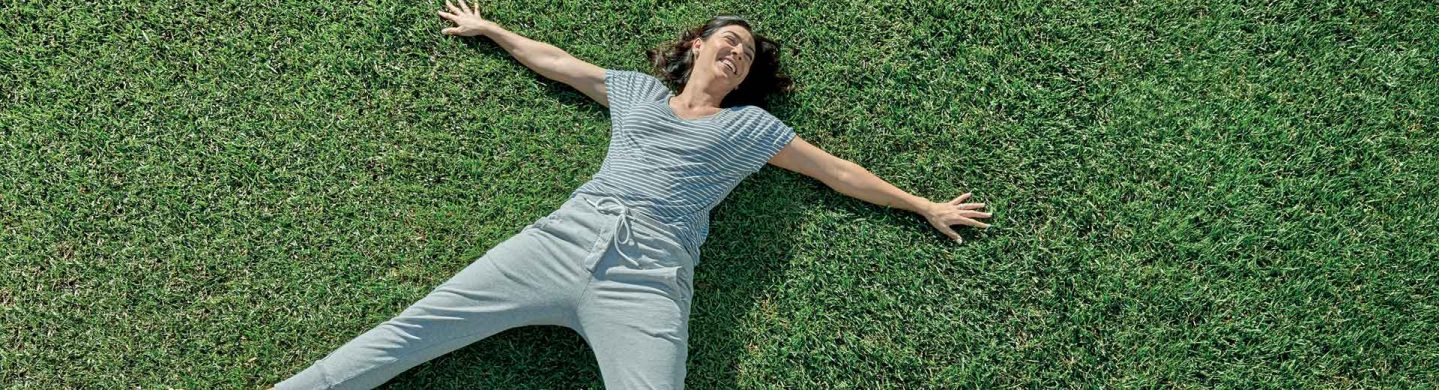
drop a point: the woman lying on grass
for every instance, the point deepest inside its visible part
(615, 261)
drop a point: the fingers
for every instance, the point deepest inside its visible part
(973, 214)
(970, 222)
(450, 6)
(961, 198)
(448, 16)
(466, 7)
(451, 31)
(966, 214)
(951, 234)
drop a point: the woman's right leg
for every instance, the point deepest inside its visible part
(529, 279)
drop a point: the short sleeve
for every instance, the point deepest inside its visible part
(770, 135)
(624, 89)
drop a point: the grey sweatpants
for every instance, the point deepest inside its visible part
(608, 272)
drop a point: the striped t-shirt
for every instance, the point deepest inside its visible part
(676, 170)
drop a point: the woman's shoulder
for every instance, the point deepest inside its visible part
(638, 82)
(633, 76)
(617, 72)
(754, 112)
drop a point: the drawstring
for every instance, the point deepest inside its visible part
(623, 233)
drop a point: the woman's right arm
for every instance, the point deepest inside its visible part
(543, 58)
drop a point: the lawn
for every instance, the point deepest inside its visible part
(214, 194)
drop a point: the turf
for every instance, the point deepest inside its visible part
(1187, 194)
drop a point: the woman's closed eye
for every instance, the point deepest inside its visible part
(747, 56)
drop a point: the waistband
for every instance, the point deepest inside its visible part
(628, 218)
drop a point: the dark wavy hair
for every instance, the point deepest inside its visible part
(673, 61)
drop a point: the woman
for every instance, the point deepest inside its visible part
(615, 261)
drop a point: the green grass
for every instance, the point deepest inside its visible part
(1190, 193)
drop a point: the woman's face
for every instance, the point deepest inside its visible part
(724, 57)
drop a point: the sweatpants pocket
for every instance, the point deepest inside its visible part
(682, 280)
(542, 222)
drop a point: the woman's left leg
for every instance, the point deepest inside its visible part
(636, 319)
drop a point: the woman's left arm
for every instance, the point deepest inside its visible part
(851, 179)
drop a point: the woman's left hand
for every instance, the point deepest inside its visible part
(955, 212)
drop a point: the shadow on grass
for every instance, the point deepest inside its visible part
(749, 245)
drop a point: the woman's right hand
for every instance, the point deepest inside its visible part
(468, 22)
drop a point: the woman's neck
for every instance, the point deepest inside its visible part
(699, 96)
